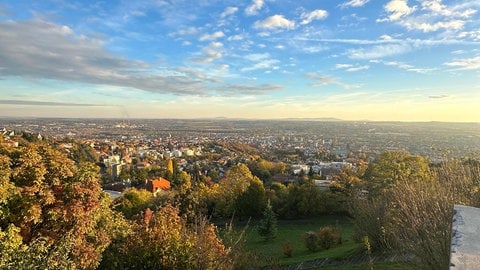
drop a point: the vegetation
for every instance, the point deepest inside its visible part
(54, 215)
(290, 240)
(328, 237)
(410, 207)
(163, 240)
(267, 227)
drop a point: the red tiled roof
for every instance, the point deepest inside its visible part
(157, 184)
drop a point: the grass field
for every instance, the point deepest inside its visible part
(293, 231)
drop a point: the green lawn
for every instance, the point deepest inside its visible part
(293, 232)
(377, 266)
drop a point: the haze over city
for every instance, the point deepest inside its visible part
(354, 60)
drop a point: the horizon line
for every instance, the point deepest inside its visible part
(325, 119)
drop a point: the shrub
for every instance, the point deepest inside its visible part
(311, 240)
(287, 249)
(329, 236)
(413, 214)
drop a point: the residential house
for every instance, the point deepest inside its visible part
(156, 185)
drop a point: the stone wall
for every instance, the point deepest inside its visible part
(465, 245)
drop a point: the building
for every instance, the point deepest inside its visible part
(156, 185)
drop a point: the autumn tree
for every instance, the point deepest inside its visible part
(169, 174)
(392, 167)
(133, 201)
(240, 192)
(164, 240)
(55, 208)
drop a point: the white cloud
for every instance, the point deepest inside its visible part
(210, 53)
(264, 64)
(42, 49)
(474, 35)
(459, 52)
(224, 67)
(237, 37)
(254, 7)
(433, 15)
(466, 63)
(185, 32)
(358, 68)
(257, 56)
(431, 27)
(318, 14)
(378, 51)
(228, 11)
(320, 80)
(386, 37)
(398, 9)
(354, 3)
(340, 66)
(274, 22)
(437, 8)
(313, 49)
(404, 66)
(351, 68)
(214, 36)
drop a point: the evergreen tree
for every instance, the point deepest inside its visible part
(267, 228)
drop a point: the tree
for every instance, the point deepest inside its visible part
(134, 201)
(267, 228)
(82, 152)
(54, 206)
(230, 187)
(169, 174)
(240, 193)
(392, 167)
(164, 240)
(251, 202)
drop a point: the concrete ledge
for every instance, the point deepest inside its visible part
(465, 245)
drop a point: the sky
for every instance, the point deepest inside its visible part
(398, 60)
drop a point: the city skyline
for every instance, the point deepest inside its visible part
(393, 60)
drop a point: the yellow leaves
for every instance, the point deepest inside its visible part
(44, 194)
(10, 245)
(58, 166)
(34, 214)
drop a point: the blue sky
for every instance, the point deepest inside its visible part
(353, 59)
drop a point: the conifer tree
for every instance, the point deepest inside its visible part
(267, 228)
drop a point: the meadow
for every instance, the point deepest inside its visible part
(349, 254)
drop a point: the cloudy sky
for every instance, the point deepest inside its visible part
(401, 60)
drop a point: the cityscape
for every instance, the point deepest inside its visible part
(239, 135)
(298, 143)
